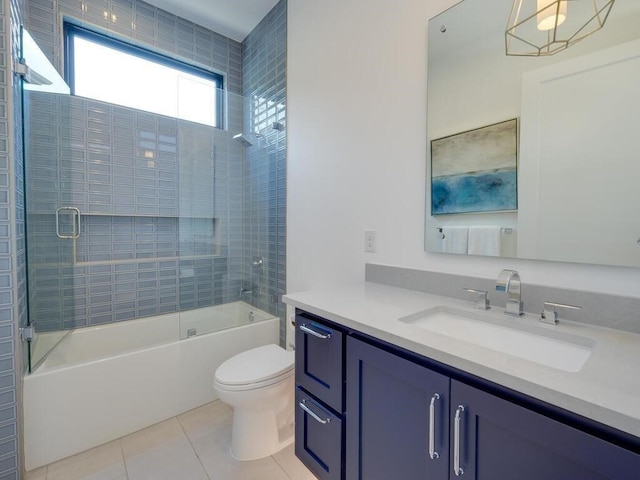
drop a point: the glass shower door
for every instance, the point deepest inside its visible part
(52, 220)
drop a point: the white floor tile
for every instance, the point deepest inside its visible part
(193, 446)
(293, 467)
(161, 452)
(202, 421)
(101, 463)
(213, 450)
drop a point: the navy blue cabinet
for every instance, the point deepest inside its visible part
(370, 411)
(397, 417)
(319, 407)
(497, 439)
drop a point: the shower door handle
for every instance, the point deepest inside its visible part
(75, 233)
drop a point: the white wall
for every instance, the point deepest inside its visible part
(356, 120)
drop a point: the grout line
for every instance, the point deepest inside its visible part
(124, 460)
(192, 447)
(273, 457)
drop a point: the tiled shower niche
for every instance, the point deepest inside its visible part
(94, 239)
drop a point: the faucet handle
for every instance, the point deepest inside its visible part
(549, 314)
(482, 301)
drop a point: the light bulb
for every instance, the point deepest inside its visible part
(548, 10)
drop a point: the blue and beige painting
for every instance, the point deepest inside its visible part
(475, 171)
(474, 192)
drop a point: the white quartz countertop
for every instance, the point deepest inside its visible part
(606, 389)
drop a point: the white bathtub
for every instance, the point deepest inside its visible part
(101, 383)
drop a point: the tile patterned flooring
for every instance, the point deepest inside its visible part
(192, 446)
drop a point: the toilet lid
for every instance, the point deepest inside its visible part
(255, 365)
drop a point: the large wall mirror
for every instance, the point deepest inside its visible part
(572, 145)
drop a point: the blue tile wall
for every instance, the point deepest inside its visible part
(141, 24)
(106, 159)
(264, 86)
(13, 304)
(150, 188)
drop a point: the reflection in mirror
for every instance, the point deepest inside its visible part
(578, 114)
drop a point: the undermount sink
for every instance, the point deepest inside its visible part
(553, 349)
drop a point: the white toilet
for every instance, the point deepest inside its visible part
(259, 385)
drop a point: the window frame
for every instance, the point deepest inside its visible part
(72, 30)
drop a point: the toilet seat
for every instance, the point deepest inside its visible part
(255, 368)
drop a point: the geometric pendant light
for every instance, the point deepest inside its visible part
(545, 27)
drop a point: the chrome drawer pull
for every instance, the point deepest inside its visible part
(303, 406)
(456, 442)
(432, 428)
(323, 336)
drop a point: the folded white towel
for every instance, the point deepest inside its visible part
(485, 240)
(455, 239)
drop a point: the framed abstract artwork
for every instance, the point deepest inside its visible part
(475, 171)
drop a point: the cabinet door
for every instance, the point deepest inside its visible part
(318, 437)
(319, 366)
(501, 440)
(389, 417)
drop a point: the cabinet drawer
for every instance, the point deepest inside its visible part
(318, 437)
(319, 364)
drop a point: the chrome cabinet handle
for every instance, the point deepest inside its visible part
(323, 336)
(303, 406)
(457, 469)
(432, 428)
(76, 223)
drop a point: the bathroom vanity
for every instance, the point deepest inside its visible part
(383, 391)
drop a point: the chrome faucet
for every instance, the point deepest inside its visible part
(509, 282)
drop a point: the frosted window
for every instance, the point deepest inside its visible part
(116, 76)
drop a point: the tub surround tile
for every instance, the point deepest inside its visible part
(264, 191)
(161, 452)
(102, 150)
(101, 463)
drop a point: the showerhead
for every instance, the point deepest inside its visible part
(242, 139)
